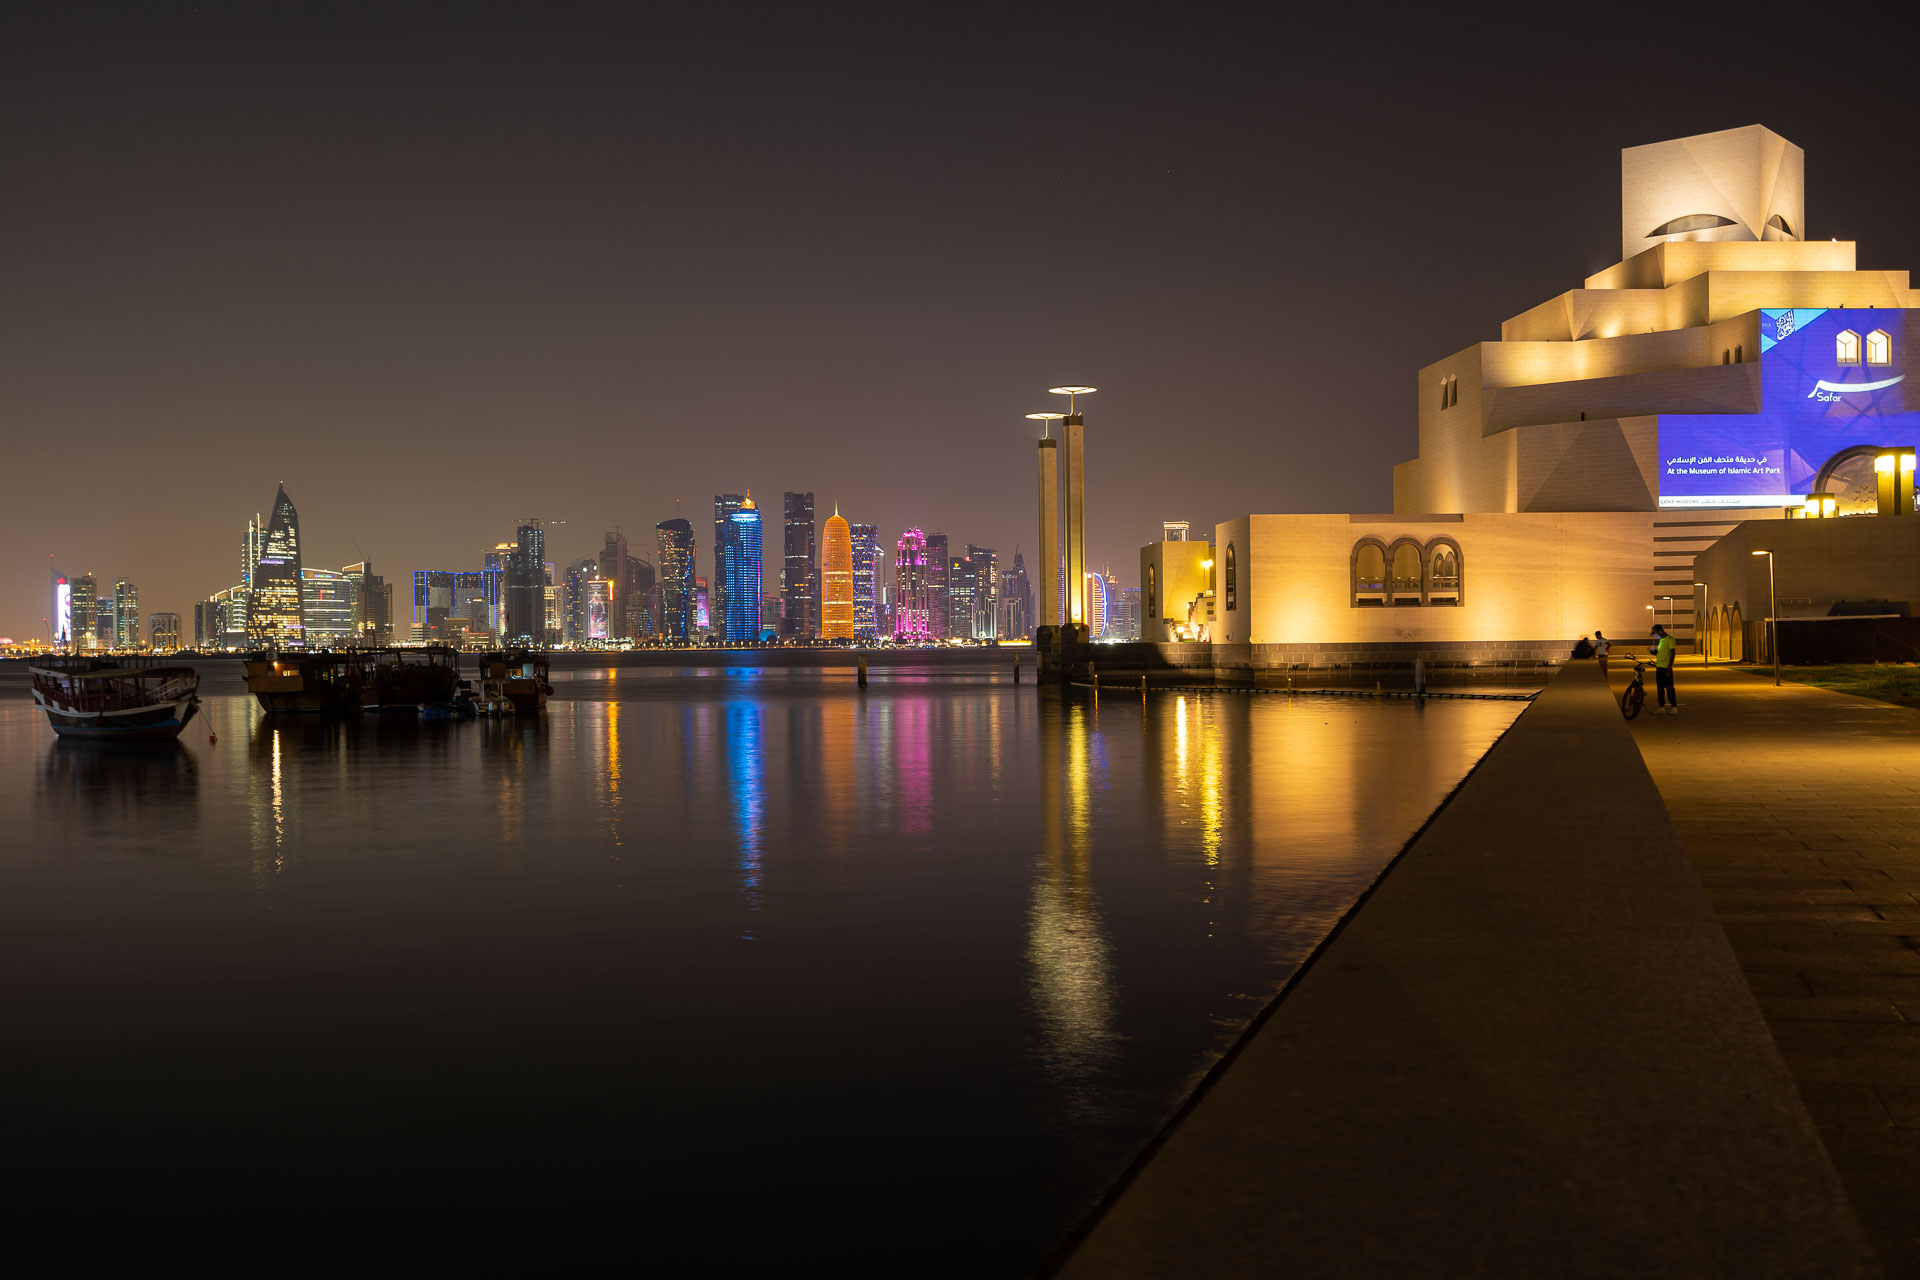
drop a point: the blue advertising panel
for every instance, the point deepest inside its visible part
(1829, 380)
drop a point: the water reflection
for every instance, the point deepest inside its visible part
(746, 788)
(997, 932)
(118, 787)
(1067, 952)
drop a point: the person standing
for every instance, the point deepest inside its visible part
(1668, 701)
(1600, 647)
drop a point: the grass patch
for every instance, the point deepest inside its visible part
(1889, 682)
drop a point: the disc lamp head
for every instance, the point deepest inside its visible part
(1070, 393)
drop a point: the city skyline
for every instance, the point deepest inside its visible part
(441, 292)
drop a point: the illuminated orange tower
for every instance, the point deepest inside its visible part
(836, 579)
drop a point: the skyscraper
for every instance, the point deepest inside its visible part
(643, 600)
(724, 505)
(1016, 600)
(738, 579)
(800, 616)
(126, 615)
(866, 581)
(836, 579)
(616, 570)
(573, 605)
(60, 625)
(372, 620)
(939, 613)
(912, 606)
(275, 611)
(960, 591)
(526, 586)
(983, 607)
(676, 580)
(326, 617)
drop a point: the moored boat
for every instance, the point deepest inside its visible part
(426, 680)
(325, 683)
(118, 699)
(515, 679)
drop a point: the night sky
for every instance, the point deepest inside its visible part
(441, 267)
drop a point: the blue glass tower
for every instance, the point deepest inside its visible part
(740, 557)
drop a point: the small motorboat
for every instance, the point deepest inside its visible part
(117, 699)
(514, 682)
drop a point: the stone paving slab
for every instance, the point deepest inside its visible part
(1528, 1052)
(1800, 810)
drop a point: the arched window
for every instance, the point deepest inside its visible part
(1739, 354)
(1445, 391)
(1444, 579)
(1879, 347)
(1692, 222)
(1403, 573)
(1781, 225)
(1153, 595)
(1233, 580)
(1369, 573)
(1846, 347)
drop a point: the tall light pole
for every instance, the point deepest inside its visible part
(1669, 600)
(1049, 520)
(1773, 618)
(1074, 426)
(1706, 655)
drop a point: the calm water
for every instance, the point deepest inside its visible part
(726, 969)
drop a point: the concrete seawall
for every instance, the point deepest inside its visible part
(1529, 1051)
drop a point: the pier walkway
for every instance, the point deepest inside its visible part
(1800, 810)
(1530, 1051)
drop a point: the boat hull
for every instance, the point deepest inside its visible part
(156, 723)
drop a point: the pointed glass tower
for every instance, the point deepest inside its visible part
(275, 607)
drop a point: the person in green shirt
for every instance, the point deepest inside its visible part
(1669, 701)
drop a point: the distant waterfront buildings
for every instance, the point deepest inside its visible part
(836, 579)
(677, 602)
(275, 606)
(799, 617)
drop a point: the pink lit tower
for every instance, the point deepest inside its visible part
(912, 617)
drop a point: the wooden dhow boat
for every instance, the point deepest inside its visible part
(324, 683)
(115, 699)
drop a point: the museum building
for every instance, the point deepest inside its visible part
(1568, 474)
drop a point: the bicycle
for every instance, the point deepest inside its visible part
(1635, 696)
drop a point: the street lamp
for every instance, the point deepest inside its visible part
(1773, 617)
(1706, 652)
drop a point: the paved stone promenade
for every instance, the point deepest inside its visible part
(1529, 1052)
(1800, 810)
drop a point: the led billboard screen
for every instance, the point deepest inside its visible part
(1829, 380)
